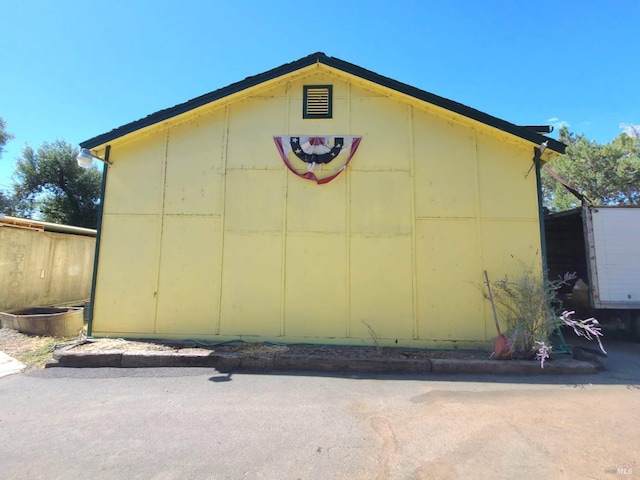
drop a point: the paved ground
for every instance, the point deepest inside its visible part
(196, 423)
(9, 365)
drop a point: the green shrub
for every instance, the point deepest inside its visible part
(529, 306)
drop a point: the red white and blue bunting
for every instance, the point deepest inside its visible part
(317, 158)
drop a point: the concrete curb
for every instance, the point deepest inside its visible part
(9, 365)
(234, 362)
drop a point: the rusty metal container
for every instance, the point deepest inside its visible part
(45, 321)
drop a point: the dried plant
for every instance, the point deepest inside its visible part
(531, 309)
(543, 352)
(583, 328)
(528, 303)
(375, 337)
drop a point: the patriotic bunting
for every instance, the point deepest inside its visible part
(317, 158)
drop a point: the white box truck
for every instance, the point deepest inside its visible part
(602, 245)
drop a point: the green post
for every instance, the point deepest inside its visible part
(105, 169)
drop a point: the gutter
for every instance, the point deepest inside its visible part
(7, 221)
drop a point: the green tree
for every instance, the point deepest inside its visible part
(50, 184)
(4, 135)
(5, 199)
(607, 174)
(6, 204)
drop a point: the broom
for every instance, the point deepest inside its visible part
(502, 347)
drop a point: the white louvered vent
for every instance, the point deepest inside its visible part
(317, 101)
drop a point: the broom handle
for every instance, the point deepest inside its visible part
(493, 306)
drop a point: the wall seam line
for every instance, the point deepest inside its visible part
(347, 194)
(164, 196)
(283, 261)
(480, 242)
(414, 269)
(223, 216)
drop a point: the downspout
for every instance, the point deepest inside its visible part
(92, 299)
(537, 160)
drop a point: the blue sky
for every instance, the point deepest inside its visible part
(71, 70)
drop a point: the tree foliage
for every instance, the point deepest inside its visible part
(4, 135)
(6, 204)
(50, 184)
(607, 174)
(5, 199)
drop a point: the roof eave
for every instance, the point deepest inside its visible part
(189, 105)
(319, 57)
(456, 107)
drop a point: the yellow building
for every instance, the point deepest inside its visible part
(219, 223)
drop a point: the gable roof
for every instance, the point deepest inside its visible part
(319, 57)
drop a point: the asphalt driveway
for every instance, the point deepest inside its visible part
(197, 423)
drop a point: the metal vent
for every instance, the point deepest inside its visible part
(317, 101)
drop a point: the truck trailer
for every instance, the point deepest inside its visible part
(601, 245)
